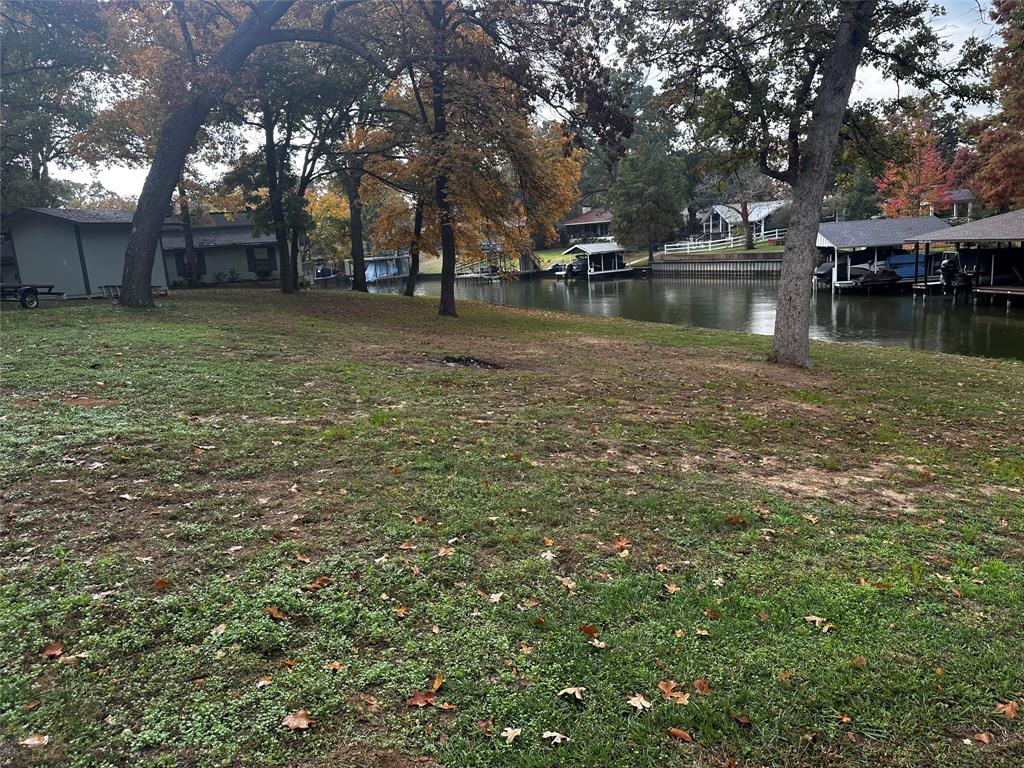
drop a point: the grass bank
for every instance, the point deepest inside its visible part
(239, 506)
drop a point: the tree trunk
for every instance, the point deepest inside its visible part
(191, 261)
(293, 257)
(692, 225)
(791, 345)
(351, 179)
(650, 253)
(437, 100)
(414, 250)
(273, 171)
(175, 140)
(748, 230)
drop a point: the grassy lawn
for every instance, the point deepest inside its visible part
(241, 505)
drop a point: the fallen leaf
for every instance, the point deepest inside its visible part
(859, 661)
(263, 681)
(37, 740)
(53, 650)
(402, 611)
(588, 629)
(219, 629)
(333, 666)
(446, 551)
(302, 558)
(525, 649)
(810, 519)
(741, 719)
(318, 583)
(671, 588)
(407, 545)
(819, 622)
(566, 582)
(161, 584)
(679, 633)
(669, 692)
(446, 706)
(556, 737)
(495, 597)
(1010, 710)
(621, 542)
(548, 542)
(702, 686)
(983, 737)
(638, 702)
(679, 733)
(297, 721)
(510, 734)
(662, 568)
(576, 692)
(599, 644)
(418, 520)
(420, 699)
(274, 612)
(438, 679)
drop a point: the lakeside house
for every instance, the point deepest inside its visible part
(227, 251)
(592, 223)
(724, 220)
(957, 207)
(81, 252)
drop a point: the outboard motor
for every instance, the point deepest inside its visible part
(949, 271)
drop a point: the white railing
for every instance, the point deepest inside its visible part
(706, 246)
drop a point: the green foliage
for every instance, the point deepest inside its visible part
(648, 196)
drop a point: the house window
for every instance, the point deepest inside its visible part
(262, 260)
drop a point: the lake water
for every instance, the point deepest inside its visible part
(738, 304)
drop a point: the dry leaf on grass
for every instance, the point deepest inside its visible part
(555, 737)
(680, 734)
(574, 692)
(1010, 710)
(638, 702)
(510, 734)
(275, 613)
(53, 650)
(420, 699)
(263, 681)
(297, 721)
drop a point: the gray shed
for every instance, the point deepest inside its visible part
(77, 251)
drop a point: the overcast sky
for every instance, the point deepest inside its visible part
(963, 18)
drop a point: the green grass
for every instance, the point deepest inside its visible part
(167, 475)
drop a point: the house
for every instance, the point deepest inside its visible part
(227, 251)
(79, 252)
(722, 221)
(592, 223)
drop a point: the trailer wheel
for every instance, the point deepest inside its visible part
(29, 298)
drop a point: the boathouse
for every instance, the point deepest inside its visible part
(597, 260)
(990, 250)
(871, 244)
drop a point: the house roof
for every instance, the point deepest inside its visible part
(755, 211)
(80, 215)
(593, 216)
(591, 249)
(218, 237)
(873, 233)
(1005, 226)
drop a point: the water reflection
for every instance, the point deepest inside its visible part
(938, 324)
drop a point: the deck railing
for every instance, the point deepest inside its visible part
(707, 246)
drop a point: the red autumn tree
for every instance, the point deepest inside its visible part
(1001, 145)
(922, 179)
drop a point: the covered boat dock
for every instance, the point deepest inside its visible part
(988, 252)
(875, 244)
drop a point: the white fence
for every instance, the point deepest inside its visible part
(706, 246)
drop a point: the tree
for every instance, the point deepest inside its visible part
(1001, 143)
(858, 198)
(648, 196)
(773, 81)
(922, 180)
(50, 50)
